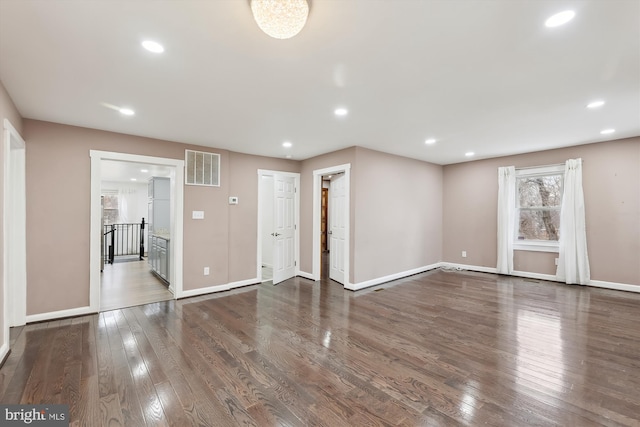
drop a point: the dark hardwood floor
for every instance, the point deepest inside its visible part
(439, 348)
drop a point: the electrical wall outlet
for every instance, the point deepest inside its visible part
(464, 254)
(206, 271)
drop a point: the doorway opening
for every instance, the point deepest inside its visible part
(14, 280)
(278, 232)
(132, 216)
(332, 227)
(128, 278)
(324, 227)
(331, 211)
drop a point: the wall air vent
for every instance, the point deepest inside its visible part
(202, 168)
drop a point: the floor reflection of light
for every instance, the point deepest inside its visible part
(540, 355)
(139, 370)
(327, 339)
(129, 341)
(468, 402)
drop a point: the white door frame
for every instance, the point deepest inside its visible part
(296, 176)
(317, 194)
(176, 215)
(14, 280)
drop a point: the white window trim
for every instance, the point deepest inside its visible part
(536, 245)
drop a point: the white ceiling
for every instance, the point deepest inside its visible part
(130, 172)
(484, 76)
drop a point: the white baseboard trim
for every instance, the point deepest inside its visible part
(547, 277)
(389, 278)
(81, 311)
(4, 350)
(72, 312)
(615, 286)
(218, 288)
(306, 275)
(468, 267)
(539, 276)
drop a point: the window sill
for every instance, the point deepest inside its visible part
(536, 246)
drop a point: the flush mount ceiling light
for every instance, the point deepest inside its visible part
(340, 112)
(607, 131)
(560, 18)
(280, 19)
(469, 154)
(430, 141)
(286, 144)
(126, 111)
(595, 104)
(152, 46)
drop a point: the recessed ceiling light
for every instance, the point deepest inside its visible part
(607, 131)
(430, 141)
(152, 46)
(127, 111)
(469, 154)
(560, 18)
(341, 112)
(286, 144)
(133, 179)
(595, 104)
(144, 170)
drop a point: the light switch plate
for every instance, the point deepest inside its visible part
(197, 215)
(233, 200)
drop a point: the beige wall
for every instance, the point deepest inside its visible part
(405, 213)
(7, 111)
(611, 181)
(398, 214)
(58, 196)
(243, 224)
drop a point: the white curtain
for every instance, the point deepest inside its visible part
(506, 218)
(573, 262)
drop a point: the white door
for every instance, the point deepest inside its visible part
(337, 222)
(284, 266)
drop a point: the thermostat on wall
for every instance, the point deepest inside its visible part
(233, 200)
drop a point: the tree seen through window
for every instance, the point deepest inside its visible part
(539, 200)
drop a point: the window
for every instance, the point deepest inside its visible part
(110, 207)
(538, 201)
